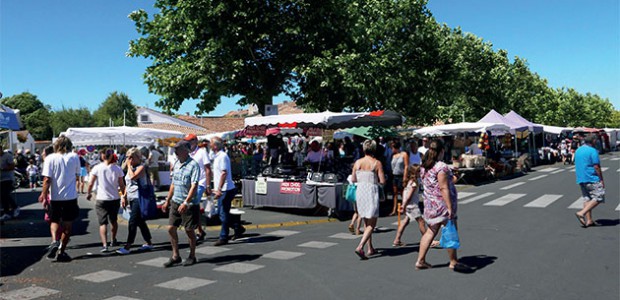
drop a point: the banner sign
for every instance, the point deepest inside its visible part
(290, 187)
(255, 131)
(260, 188)
(314, 131)
(9, 121)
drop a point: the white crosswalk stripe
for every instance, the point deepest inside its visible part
(615, 158)
(283, 255)
(102, 276)
(557, 171)
(512, 185)
(317, 245)
(501, 201)
(538, 177)
(618, 208)
(578, 204)
(548, 169)
(465, 194)
(604, 169)
(543, 201)
(185, 283)
(238, 268)
(470, 200)
(31, 292)
(618, 170)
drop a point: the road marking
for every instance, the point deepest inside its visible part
(283, 232)
(185, 283)
(470, 200)
(603, 169)
(345, 236)
(618, 208)
(512, 185)
(615, 158)
(501, 201)
(283, 255)
(210, 250)
(317, 245)
(538, 177)
(548, 169)
(543, 201)
(578, 204)
(102, 276)
(121, 298)
(618, 170)
(31, 292)
(573, 170)
(155, 262)
(238, 268)
(557, 171)
(465, 194)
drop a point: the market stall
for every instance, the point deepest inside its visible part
(291, 186)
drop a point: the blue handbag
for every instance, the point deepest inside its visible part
(148, 202)
(350, 195)
(449, 236)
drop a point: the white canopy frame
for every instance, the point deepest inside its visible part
(121, 135)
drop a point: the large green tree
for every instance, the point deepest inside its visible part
(70, 117)
(118, 108)
(209, 49)
(34, 114)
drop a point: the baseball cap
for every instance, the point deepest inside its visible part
(190, 137)
(182, 144)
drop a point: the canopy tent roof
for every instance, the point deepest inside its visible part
(556, 129)
(328, 119)
(371, 132)
(226, 135)
(586, 130)
(9, 119)
(495, 117)
(518, 119)
(448, 129)
(122, 135)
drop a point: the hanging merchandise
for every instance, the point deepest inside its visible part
(483, 141)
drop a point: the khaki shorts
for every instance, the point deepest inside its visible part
(154, 172)
(189, 219)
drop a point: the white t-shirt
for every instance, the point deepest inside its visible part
(107, 181)
(202, 158)
(422, 150)
(221, 163)
(63, 170)
(32, 170)
(154, 159)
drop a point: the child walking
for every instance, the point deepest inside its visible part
(33, 173)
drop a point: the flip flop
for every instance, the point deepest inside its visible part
(581, 219)
(423, 266)
(399, 244)
(361, 254)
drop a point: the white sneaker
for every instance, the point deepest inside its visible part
(16, 212)
(146, 247)
(104, 249)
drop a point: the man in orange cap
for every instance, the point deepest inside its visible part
(200, 155)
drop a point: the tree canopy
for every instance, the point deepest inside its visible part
(118, 108)
(34, 114)
(70, 117)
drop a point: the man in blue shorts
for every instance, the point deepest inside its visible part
(590, 179)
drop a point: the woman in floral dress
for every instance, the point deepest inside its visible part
(367, 174)
(440, 202)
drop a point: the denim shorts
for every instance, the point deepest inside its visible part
(593, 191)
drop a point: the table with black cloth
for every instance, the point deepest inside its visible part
(325, 194)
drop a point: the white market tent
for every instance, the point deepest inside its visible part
(328, 119)
(450, 129)
(556, 129)
(121, 135)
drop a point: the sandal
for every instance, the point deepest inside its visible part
(399, 244)
(581, 219)
(422, 266)
(351, 229)
(361, 254)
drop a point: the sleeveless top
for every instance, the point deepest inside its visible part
(398, 165)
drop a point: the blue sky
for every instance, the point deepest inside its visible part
(71, 53)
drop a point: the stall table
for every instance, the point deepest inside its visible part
(311, 194)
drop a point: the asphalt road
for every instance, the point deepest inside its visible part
(520, 236)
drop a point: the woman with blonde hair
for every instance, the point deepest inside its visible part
(367, 174)
(136, 176)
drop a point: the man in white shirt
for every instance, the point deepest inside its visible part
(422, 149)
(200, 155)
(60, 174)
(224, 190)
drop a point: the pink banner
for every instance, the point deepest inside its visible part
(290, 187)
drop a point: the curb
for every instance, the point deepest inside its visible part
(250, 226)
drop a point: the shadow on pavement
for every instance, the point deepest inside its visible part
(30, 223)
(607, 222)
(14, 260)
(228, 259)
(398, 251)
(257, 238)
(471, 264)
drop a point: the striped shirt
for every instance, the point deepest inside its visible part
(183, 176)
